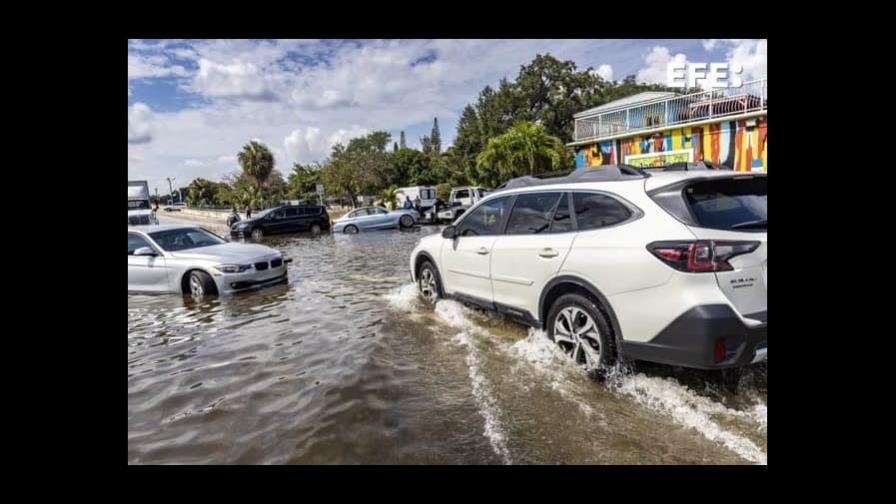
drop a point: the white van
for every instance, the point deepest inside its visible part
(427, 195)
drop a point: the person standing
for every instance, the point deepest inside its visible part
(248, 212)
(407, 203)
(417, 204)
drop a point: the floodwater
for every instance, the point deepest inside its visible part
(346, 365)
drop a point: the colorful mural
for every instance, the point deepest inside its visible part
(729, 143)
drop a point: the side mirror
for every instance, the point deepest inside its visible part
(449, 233)
(145, 251)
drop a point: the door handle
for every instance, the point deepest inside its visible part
(482, 251)
(548, 253)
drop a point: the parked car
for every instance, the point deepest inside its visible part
(283, 219)
(370, 218)
(192, 260)
(172, 209)
(615, 262)
(461, 199)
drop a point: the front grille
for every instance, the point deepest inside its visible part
(138, 220)
(276, 263)
(261, 266)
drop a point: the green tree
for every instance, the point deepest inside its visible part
(401, 144)
(525, 149)
(201, 192)
(389, 198)
(412, 167)
(302, 182)
(256, 161)
(274, 191)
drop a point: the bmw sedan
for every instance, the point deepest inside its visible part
(370, 218)
(191, 260)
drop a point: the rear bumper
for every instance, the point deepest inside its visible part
(690, 340)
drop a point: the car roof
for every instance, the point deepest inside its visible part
(620, 183)
(664, 178)
(161, 227)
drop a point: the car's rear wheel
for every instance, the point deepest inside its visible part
(257, 234)
(350, 229)
(428, 283)
(201, 285)
(315, 229)
(406, 221)
(580, 329)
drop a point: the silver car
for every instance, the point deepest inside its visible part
(369, 218)
(192, 260)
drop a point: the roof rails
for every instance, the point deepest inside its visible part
(604, 173)
(689, 166)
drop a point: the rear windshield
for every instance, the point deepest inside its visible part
(729, 203)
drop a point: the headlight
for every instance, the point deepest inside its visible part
(232, 268)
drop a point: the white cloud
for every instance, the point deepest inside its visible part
(752, 56)
(657, 61)
(144, 66)
(193, 162)
(231, 80)
(230, 158)
(710, 44)
(140, 123)
(605, 71)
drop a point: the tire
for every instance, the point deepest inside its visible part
(315, 229)
(405, 221)
(590, 342)
(200, 284)
(257, 234)
(429, 283)
(350, 229)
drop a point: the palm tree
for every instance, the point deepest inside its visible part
(390, 199)
(524, 149)
(256, 161)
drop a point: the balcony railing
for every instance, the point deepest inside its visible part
(705, 105)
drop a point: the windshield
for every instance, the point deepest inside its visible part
(173, 240)
(264, 213)
(730, 203)
(138, 205)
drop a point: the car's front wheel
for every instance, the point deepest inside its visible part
(201, 285)
(428, 283)
(257, 234)
(315, 229)
(350, 229)
(580, 330)
(405, 221)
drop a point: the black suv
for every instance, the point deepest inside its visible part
(283, 219)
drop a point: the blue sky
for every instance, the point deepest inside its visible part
(192, 104)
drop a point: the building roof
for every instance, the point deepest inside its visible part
(628, 101)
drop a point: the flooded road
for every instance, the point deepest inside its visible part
(346, 365)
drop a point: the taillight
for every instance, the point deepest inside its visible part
(719, 353)
(702, 255)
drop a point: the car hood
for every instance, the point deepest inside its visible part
(227, 252)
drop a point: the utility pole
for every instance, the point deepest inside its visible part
(170, 187)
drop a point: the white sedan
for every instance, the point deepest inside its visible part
(191, 260)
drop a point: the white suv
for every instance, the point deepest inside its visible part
(617, 263)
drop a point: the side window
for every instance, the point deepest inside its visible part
(279, 214)
(562, 221)
(532, 213)
(597, 210)
(462, 194)
(485, 220)
(135, 241)
(293, 212)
